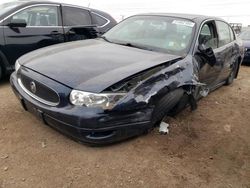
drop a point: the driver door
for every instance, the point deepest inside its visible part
(209, 72)
(43, 28)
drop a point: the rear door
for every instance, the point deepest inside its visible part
(43, 28)
(226, 48)
(77, 23)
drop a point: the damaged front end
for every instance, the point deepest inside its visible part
(147, 87)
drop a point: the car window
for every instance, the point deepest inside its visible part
(100, 21)
(207, 36)
(206, 31)
(76, 16)
(39, 16)
(224, 33)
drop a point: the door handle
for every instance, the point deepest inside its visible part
(71, 32)
(55, 33)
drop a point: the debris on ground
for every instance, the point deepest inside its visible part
(227, 128)
(204, 92)
(44, 144)
(163, 129)
(5, 156)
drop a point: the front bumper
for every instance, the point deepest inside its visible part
(246, 58)
(87, 125)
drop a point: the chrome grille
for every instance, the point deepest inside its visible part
(39, 91)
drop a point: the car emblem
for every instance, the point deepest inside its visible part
(33, 87)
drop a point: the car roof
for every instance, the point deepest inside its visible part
(21, 2)
(27, 2)
(193, 17)
(24, 3)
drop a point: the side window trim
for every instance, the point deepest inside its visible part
(107, 20)
(27, 7)
(231, 29)
(216, 33)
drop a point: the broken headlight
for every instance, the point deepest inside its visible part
(102, 100)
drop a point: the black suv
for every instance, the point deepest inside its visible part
(26, 26)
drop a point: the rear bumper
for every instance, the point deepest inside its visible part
(92, 126)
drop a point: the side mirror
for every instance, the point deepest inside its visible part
(17, 23)
(202, 48)
(208, 53)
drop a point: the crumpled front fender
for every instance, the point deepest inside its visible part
(180, 74)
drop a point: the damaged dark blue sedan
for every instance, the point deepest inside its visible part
(121, 85)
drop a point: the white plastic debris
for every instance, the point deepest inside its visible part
(164, 128)
(5, 156)
(44, 145)
(204, 92)
(227, 128)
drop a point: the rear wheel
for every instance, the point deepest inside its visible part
(166, 104)
(232, 75)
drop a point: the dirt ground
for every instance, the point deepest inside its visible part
(206, 148)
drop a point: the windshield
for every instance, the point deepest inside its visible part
(5, 7)
(245, 35)
(156, 33)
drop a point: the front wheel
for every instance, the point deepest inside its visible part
(232, 75)
(1, 72)
(166, 104)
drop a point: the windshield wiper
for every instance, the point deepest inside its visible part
(126, 44)
(135, 46)
(105, 38)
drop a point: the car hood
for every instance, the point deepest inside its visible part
(92, 65)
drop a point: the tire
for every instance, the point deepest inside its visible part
(1, 73)
(232, 75)
(165, 105)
